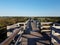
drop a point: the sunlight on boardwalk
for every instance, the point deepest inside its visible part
(34, 27)
(35, 38)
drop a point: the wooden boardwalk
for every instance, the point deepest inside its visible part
(34, 37)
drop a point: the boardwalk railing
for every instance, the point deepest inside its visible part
(45, 26)
(13, 31)
(11, 37)
(55, 33)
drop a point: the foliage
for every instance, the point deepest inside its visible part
(4, 21)
(47, 19)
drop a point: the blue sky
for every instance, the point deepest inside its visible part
(29, 7)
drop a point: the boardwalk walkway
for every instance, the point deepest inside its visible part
(33, 37)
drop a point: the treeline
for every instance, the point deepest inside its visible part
(47, 19)
(12, 20)
(4, 21)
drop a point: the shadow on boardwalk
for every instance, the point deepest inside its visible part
(28, 28)
(44, 40)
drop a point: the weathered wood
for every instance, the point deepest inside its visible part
(11, 37)
(55, 33)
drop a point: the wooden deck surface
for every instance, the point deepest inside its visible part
(35, 38)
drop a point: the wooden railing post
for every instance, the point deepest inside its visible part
(11, 37)
(53, 32)
(55, 29)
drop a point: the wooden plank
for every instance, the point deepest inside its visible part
(11, 37)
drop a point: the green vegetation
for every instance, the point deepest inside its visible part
(47, 19)
(4, 21)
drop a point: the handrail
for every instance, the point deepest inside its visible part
(45, 26)
(55, 29)
(57, 24)
(18, 40)
(56, 38)
(11, 37)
